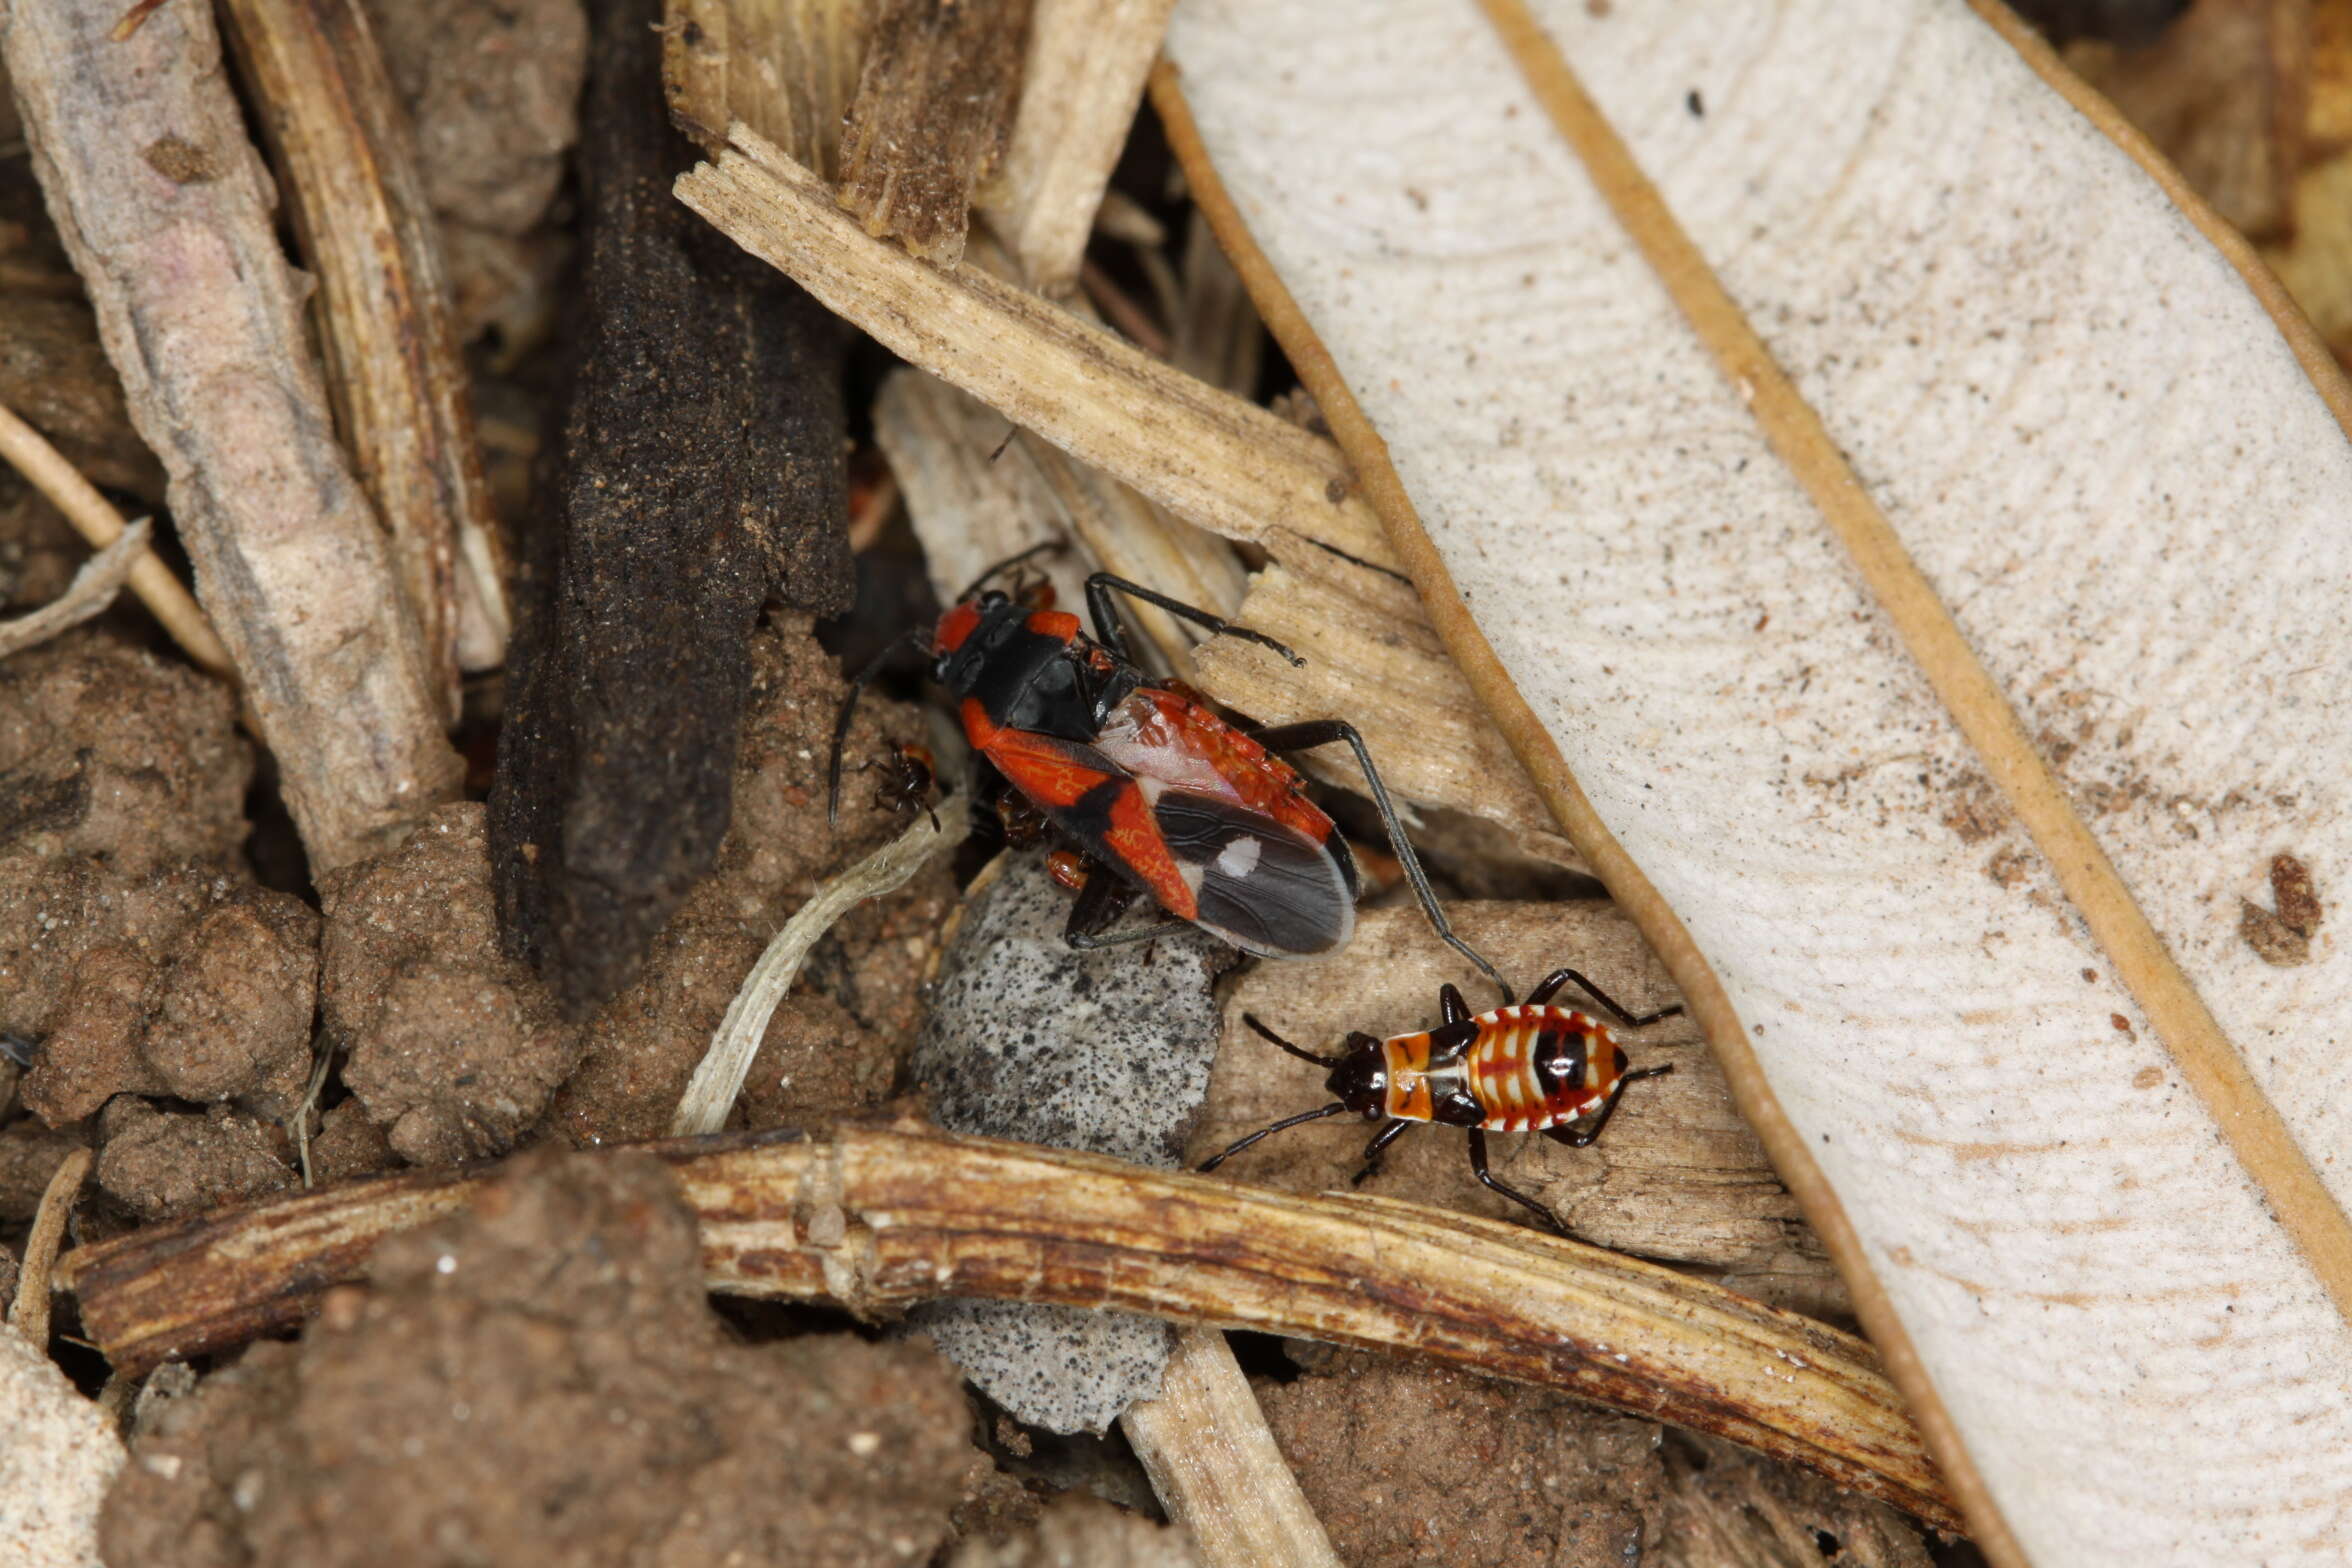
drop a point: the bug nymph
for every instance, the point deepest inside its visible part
(1529, 1068)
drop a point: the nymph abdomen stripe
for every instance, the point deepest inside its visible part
(1527, 1068)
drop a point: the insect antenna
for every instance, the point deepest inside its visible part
(1054, 545)
(1265, 1033)
(849, 701)
(1214, 1161)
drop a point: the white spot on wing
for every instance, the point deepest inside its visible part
(1239, 858)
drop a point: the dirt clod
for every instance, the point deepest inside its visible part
(234, 1019)
(454, 1048)
(29, 1155)
(1078, 1531)
(348, 1146)
(542, 1381)
(107, 750)
(165, 1164)
(1407, 1466)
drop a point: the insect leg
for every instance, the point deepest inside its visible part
(1577, 1137)
(1478, 1168)
(1449, 1002)
(849, 701)
(1376, 1148)
(1100, 903)
(1111, 632)
(1322, 732)
(1216, 1160)
(1549, 986)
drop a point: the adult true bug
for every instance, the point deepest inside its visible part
(1529, 1068)
(1144, 778)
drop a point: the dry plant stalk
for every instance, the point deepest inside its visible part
(1213, 1461)
(786, 68)
(1088, 60)
(162, 203)
(29, 1313)
(95, 519)
(348, 161)
(93, 588)
(1214, 459)
(718, 1077)
(933, 110)
(875, 1219)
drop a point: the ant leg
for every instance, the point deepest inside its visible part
(1487, 1177)
(1450, 1003)
(1111, 632)
(1321, 732)
(1577, 1137)
(1376, 1148)
(1550, 985)
(1216, 1160)
(849, 701)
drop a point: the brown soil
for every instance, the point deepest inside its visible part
(164, 1164)
(542, 1381)
(1408, 1467)
(836, 1043)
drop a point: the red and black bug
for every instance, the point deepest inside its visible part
(1148, 781)
(1529, 1068)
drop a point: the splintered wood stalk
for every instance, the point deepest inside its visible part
(1213, 1461)
(1213, 459)
(933, 109)
(93, 588)
(874, 1219)
(1088, 60)
(786, 68)
(348, 161)
(163, 205)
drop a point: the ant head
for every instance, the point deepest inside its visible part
(1360, 1081)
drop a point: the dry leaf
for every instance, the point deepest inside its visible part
(1944, 763)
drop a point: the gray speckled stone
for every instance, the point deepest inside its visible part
(1103, 1051)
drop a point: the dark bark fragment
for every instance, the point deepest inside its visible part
(698, 473)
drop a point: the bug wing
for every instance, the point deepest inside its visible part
(1098, 805)
(1259, 884)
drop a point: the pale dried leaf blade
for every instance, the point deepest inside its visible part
(2118, 482)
